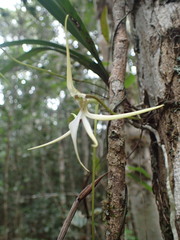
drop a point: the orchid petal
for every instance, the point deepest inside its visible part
(73, 126)
(89, 130)
(73, 91)
(118, 116)
(53, 141)
(70, 85)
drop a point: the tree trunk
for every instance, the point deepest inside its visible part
(116, 153)
(156, 29)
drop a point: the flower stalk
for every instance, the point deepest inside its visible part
(94, 156)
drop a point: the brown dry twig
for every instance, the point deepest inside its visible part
(83, 194)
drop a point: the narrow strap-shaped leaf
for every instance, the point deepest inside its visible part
(82, 59)
(23, 57)
(59, 9)
(104, 24)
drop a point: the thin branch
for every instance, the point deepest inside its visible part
(83, 194)
(137, 144)
(116, 192)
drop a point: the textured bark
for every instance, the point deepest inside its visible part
(156, 29)
(141, 202)
(115, 215)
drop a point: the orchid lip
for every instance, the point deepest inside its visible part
(89, 130)
(73, 129)
(73, 126)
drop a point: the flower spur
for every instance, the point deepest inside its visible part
(84, 114)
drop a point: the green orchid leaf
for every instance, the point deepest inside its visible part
(104, 24)
(59, 9)
(21, 58)
(82, 59)
(140, 170)
(139, 181)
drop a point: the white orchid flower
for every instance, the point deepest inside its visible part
(84, 114)
(73, 128)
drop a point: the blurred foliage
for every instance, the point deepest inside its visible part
(38, 187)
(129, 235)
(140, 175)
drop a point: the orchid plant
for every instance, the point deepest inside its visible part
(84, 114)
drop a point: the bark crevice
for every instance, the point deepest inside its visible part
(156, 25)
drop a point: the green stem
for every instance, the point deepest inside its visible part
(93, 176)
(101, 102)
(1, 75)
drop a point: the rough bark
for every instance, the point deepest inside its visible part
(156, 28)
(142, 208)
(115, 214)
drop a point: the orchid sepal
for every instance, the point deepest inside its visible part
(70, 86)
(53, 141)
(118, 116)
